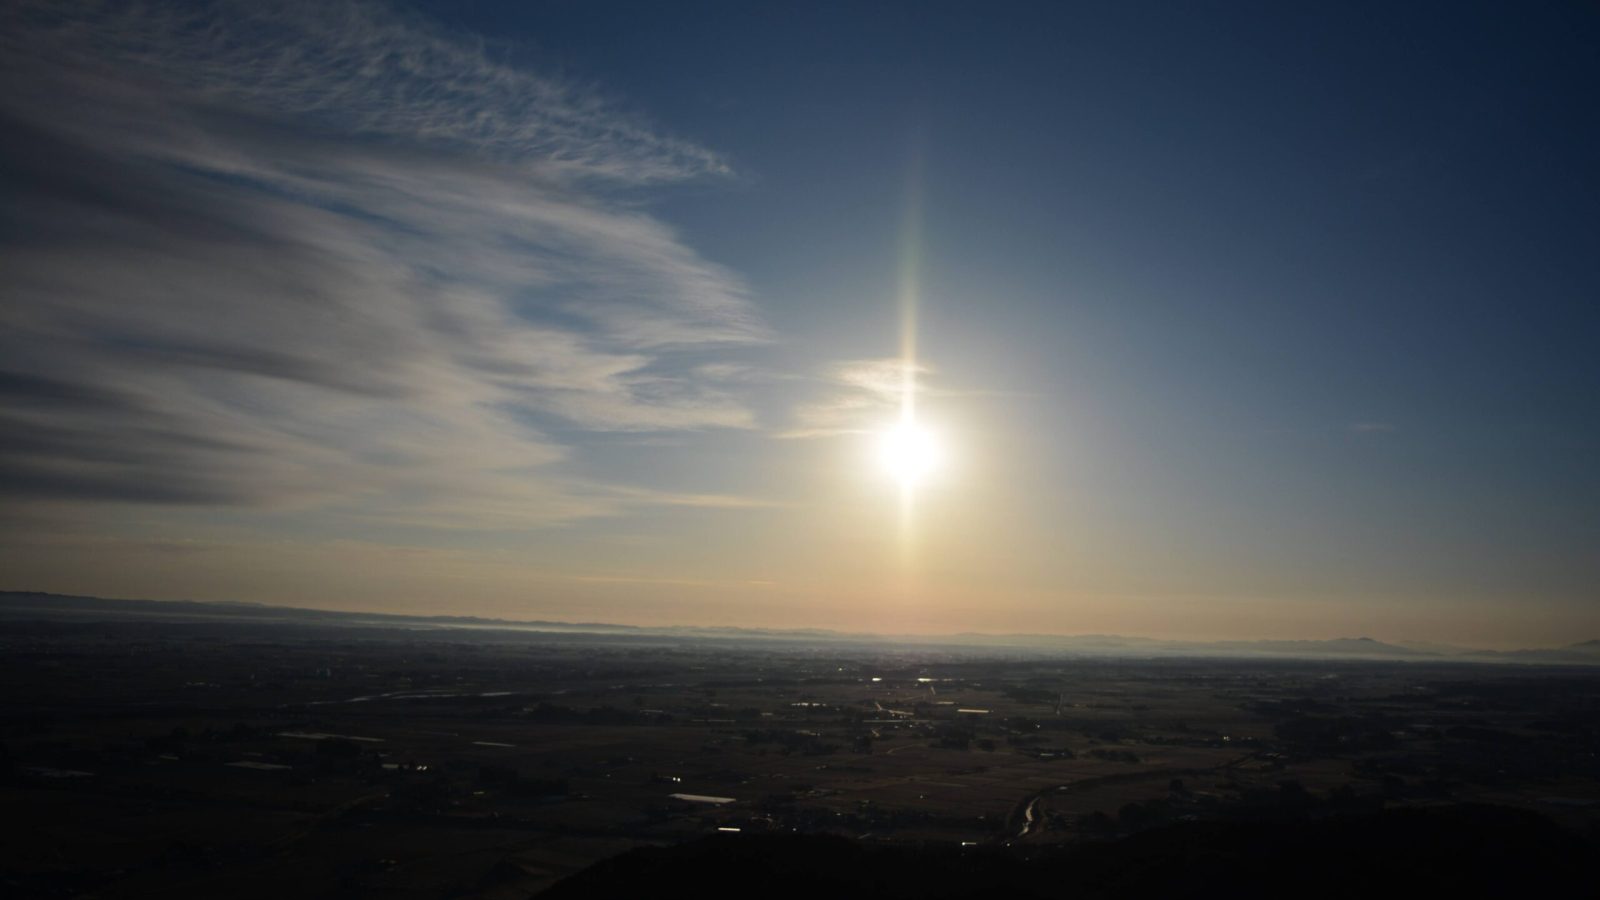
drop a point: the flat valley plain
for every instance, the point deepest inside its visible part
(259, 759)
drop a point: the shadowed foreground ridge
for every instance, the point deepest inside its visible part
(1462, 850)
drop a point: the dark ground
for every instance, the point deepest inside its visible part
(175, 757)
(1471, 851)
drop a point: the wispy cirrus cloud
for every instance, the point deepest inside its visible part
(355, 67)
(324, 254)
(859, 396)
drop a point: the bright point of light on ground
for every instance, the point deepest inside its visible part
(909, 452)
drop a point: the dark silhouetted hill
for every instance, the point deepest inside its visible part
(1468, 851)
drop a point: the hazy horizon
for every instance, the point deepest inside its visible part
(906, 318)
(941, 636)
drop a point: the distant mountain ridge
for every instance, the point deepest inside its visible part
(25, 605)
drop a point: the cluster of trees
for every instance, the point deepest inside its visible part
(515, 784)
(791, 741)
(1289, 801)
(1328, 735)
(556, 714)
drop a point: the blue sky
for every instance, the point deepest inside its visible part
(1239, 319)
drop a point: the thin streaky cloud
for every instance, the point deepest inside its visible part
(356, 67)
(328, 257)
(858, 397)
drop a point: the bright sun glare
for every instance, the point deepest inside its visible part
(909, 452)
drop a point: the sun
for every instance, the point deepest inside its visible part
(909, 452)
